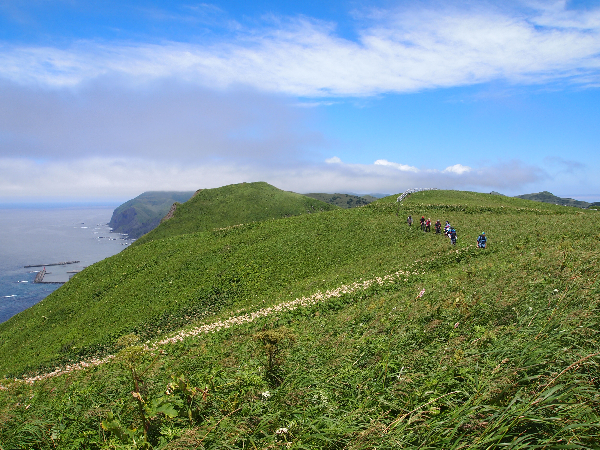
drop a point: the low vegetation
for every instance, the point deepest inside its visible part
(400, 340)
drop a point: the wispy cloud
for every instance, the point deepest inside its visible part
(564, 165)
(167, 120)
(401, 50)
(502, 175)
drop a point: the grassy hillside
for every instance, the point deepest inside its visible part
(143, 213)
(457, 347)
(144, 287)
(343, 200)
(548, 197)
(235, 204)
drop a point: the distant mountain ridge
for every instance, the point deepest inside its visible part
(548, 197)
(343, 200)
(138, 216)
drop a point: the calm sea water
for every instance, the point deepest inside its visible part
(49, 235)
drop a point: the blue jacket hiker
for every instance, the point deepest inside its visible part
(481, 240)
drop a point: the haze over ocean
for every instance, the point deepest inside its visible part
(45, 235)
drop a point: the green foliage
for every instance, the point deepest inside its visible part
(463, 348)
(275, 343)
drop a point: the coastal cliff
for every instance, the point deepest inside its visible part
(142, 214)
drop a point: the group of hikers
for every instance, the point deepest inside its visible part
(449, 230)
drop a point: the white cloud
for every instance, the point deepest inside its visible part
(334, 160)
(396, 51)
(458, 169)
(401, 167)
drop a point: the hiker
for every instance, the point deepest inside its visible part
(447, 229)
(453, 236)
(438, 227)
(422, 223)
(409, 221)
(481, 240)
(428, 225)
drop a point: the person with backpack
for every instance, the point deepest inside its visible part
(438, 227)
(447, 229)
(428, 225)
(481, 240)
(453, 236)
(422, 223)
(409, 221)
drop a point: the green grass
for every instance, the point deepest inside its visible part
(152, 288)
(500, 350)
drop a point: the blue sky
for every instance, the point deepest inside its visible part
(103, 100)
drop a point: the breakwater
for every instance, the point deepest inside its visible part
(53, 264)
(39, 278)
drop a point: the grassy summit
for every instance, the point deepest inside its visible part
(400, 341)
(234, 204)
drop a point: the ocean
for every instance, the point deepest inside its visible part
(48, 235)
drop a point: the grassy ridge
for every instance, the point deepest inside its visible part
(144, 287)
(499, 350)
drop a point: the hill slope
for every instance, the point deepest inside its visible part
(143, 213)
(457, 348)
(232, 205)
